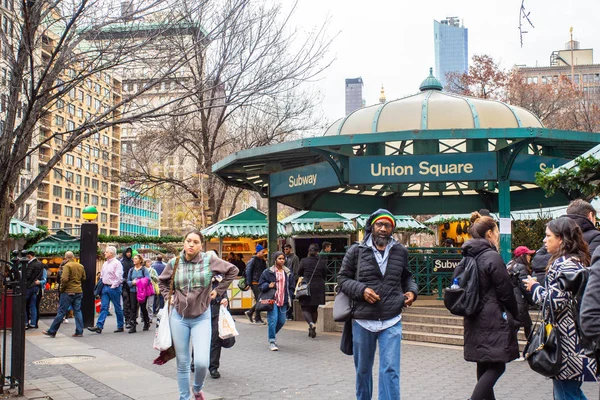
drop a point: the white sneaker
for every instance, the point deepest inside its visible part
(520, 359)
(273, 346)
(66, 320)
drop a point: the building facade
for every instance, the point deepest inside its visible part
(354, 96)
(573, 63)
(140, 214)
(451, 44)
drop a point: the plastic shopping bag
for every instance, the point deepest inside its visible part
(226, 324)
(162, 337)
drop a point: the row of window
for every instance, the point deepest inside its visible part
(587, 78)
(132, 229)
(69, 211)
(139, 212)
(69, 228)
(71, 194)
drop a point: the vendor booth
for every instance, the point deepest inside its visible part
(240, 234)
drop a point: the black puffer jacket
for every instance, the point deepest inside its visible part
(590, 306)
(539, 263)
(127, 263)
(489, 337)
(517, 273)
(254, 269)
(390, 287)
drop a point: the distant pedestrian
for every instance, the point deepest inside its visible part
(383, 287)
(150, 300)
(42, 286)
(127, 263)
(216, 343)
(312, 270)
(159, 267)
(490, 337)
(240, 264)
(112, 278)
(33, 275)
(136, 273)
(254, 270)
(281, 278)
(71, 294)
(518, 269)
(292, 262)
(187, 278)
(326, 247)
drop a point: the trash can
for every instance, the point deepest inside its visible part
(7, 297)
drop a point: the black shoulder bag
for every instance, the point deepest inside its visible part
(303, 288)
(543, 351)
(343, 305)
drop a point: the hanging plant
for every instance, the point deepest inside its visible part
(583, 177)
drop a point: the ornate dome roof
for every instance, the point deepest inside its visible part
(433, 109)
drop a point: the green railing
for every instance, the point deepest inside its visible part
(430, 279)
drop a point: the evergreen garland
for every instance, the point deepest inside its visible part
(584, 177)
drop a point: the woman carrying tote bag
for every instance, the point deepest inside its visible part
(312, 271)
(569, 253)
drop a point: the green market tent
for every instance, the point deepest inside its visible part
(18, 228)
(250, 223)
(57, 244)
(317, 222)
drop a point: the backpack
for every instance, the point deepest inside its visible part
(465, 300)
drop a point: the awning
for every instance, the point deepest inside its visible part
(250, 223)
(57, 244)
(18, 227)
(317, 222)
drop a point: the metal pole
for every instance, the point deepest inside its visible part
(88, 256)
(18, 329)
(272, 224)
(505, 223)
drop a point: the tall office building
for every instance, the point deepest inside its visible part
(451, 42)
(354, 99)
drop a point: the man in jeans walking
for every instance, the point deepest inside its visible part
(71, 294)
(112, 278)
(254, 269)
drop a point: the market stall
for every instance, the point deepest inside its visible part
(240, 234)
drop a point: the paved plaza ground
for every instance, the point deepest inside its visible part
(303, 368)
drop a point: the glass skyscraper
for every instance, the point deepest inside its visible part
(451, 48)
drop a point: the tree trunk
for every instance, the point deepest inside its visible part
(6, 212)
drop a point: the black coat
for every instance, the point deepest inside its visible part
(127, 263)
(254, 269)
(33, 272)
(307, 266)
(489, 337)
(590, 305)
(539, 263)
(518, 272)
(390, 287)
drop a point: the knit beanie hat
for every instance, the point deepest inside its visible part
(259, 248)
(380, 215)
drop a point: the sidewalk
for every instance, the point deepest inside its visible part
(99, 374)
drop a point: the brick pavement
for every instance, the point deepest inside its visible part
(307, 368)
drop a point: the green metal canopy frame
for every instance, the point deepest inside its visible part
(426, 171)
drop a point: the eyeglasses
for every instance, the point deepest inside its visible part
(385, 225)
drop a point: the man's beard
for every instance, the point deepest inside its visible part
(381, 240)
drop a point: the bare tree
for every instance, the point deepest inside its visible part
(246, 93)
(56, 47)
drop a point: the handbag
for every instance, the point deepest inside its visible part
(343, 306)
(543, 351)
(266, 300)
(303, 288)
(242, 284)
(98, 288)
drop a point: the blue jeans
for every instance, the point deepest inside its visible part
(31, 310)
(66, 301)
(276, 320)
(568, 390)
(199, 329)
(364, 343)
(110, 295)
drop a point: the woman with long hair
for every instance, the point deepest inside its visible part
(569, 253)
(312, 269)
(490, 338)
(186, 285)
(135, 274)
(518, 269)
(282, 279)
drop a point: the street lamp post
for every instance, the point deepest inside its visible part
(88, 255)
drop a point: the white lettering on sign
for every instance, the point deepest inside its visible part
(543, 166)
(302, 180)
(444, 265)
(425, 168)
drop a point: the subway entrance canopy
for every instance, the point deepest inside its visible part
(433, 152)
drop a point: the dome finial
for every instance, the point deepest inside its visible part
(431, 83)
(382, 95)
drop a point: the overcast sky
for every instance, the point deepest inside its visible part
(391, 42)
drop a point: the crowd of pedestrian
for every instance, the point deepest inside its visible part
(375, 276)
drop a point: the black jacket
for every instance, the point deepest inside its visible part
(489, 336)
(590, 304)
(517, 273)
(34, 272)
(542, 257)
(390, 287)
(313, 269)
(254, 269)
(127, 263)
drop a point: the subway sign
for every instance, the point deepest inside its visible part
(525, 166)
(460, 167)
(303, 179)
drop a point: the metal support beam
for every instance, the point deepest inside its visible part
(272, 224)
(504, 211)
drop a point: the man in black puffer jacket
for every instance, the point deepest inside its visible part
(381, 288)
(584, 214)
(254, 270)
